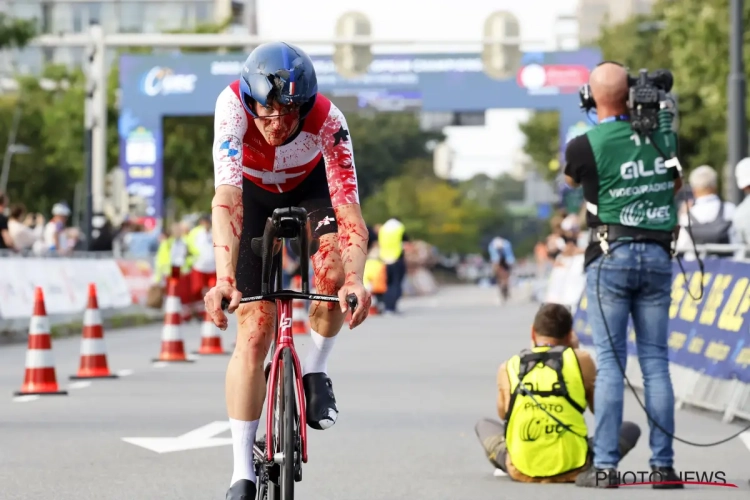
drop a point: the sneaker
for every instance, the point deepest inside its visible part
(321, 402)
(244, 489)
(597, 478)
(668, 477)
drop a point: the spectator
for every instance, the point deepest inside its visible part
(54, 231)
(554, 373)
(391, 238)
(741, 221)
(6, 242)
(710, 217)
(25, 229)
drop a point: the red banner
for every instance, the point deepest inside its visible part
(138, 276)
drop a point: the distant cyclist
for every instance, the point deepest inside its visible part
(278, 143)
(502, 258)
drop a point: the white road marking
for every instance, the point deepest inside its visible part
(25, 399)
(124, 373)
(202, 437)
(160, 364)
(79, 385)
(745, 437)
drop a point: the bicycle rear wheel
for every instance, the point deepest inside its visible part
(289, 431)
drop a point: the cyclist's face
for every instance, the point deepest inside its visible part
(276, 122)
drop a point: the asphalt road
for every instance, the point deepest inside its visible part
(410, 390)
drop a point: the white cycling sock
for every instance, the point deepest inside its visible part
(243, 438)
(317, 357)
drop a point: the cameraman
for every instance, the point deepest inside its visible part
(630, 210)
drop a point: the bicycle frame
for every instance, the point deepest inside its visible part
(285, 223)
(285, 340)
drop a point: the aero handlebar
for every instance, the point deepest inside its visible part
(351, 299)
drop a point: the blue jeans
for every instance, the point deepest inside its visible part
(635, 279)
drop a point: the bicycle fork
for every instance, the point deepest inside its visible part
(284, 309)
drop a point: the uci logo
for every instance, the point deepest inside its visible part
(164, 81)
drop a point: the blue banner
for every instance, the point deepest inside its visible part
(710, 335)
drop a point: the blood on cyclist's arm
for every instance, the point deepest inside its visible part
(336, 147)
(230, 125)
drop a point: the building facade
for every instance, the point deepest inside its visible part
(117, 16)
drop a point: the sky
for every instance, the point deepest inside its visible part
(476, 149)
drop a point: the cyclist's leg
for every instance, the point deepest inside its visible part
(505, 287)
(245, 380)
(326, 318)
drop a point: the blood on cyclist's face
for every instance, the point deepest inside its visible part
(276, 122)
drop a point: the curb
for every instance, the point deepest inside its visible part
(65, 329)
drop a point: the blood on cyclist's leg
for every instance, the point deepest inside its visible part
(245, 380)
(327, 318)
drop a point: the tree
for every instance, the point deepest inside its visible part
(14, 32)
(383, 144)
(696, 34)
(52, 127)
(431, 209)
(542, 131)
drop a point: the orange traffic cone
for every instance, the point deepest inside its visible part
(40, 378)
(172, 345)
(93, 349)
(210, 337)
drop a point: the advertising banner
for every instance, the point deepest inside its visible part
(710, 335)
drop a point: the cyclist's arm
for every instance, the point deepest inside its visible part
(230, 125)
(336, 147)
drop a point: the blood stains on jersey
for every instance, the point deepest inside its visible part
(339, 158)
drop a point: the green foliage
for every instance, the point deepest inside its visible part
(691, 38)
(52, 126)
(384, 144)
(431, 209)
(542, 132)
(15, 33)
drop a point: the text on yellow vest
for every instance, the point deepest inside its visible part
(538, 445)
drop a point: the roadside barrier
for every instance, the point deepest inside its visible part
(709, 338)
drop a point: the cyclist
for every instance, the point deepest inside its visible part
(501, 255)
(279, 143)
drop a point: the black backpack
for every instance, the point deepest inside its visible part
(715, 232)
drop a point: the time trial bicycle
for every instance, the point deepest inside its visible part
(279, 457)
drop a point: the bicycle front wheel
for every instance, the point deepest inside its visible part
(289, 419)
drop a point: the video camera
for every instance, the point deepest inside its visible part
(648, 95)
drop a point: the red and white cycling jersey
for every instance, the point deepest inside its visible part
(240, 150)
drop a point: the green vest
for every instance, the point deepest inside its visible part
(537, 444)
(635, 187)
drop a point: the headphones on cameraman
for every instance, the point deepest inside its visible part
(584, 93)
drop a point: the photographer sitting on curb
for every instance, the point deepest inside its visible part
(542, 394)
(629, 175)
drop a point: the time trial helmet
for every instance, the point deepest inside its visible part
(280, 72)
